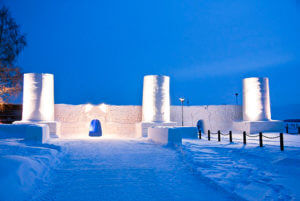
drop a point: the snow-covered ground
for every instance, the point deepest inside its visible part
(115, 169)
(249, 171)
(23, 167)
(136, 169)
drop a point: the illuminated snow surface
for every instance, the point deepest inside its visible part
(249, 171)
(127, 169)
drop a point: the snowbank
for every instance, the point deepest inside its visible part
(17, 176)
(24, 168)
(249, 171)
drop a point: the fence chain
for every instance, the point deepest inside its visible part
(260, 135)
(224, 134)
(252, 135)
(271, 137)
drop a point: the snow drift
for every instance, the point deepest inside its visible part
(24, 168)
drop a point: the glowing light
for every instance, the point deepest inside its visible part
(103, 107)
(88, 107)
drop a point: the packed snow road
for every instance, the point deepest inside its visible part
(110, 169)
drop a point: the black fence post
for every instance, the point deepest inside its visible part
(219, 136)
(230, 136)
(244, 137)
(208, 135)
(199, 134)
(281, 142)
(287, 128)
(260, 139)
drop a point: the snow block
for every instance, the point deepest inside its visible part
(165, 135)
(187, 132)
(29, 132)
(54, 126)
(142, 127)
(258, 126)
(37, 133)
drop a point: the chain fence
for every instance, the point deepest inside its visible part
(245, 135)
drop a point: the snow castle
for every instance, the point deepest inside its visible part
(73, 121)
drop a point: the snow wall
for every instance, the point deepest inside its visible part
(121, 120)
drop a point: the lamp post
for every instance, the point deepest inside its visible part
(236, 98)
(181, 100)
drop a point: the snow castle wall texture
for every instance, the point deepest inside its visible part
(213, 117)
(256, 99)
(156, 98)
(116, 120)
(121, 120)
(38, 97)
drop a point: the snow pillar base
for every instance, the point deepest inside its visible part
(142, 127)
(165, 135)
(258, 126)
(54, 126)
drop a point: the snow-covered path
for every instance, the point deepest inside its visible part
(110, 169)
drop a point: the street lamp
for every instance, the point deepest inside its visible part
(236, 98)
(181, 100)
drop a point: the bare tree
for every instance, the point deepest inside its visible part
(12, 42)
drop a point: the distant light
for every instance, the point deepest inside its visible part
(181, 100)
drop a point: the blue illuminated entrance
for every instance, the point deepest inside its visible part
(95, 128)
(200, 125)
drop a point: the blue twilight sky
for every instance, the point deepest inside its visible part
(99, 51)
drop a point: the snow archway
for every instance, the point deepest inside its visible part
(200, 125)
(95, 128)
